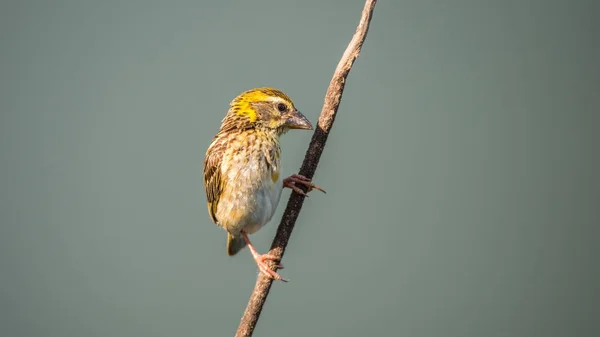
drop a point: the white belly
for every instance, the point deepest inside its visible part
(267, 199)
(251, 207)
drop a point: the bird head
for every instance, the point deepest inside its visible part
(266, 109)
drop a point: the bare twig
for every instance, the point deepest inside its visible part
(311, 159)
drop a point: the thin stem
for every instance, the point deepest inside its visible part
(309, 166)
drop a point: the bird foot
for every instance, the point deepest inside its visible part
(264, 268)
(260, 261)
(295, 179)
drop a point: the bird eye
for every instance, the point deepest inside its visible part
(281, 107)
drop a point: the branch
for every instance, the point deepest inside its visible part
(309, 166)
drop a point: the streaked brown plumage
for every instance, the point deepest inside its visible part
(242, 167)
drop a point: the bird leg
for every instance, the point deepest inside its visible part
(294, 179)
(260, 261)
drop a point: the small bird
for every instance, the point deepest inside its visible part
(242, 168)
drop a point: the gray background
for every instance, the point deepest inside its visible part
(462, 172)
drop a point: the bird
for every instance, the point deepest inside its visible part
(242, 168)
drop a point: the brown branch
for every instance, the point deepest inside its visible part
(309, 166)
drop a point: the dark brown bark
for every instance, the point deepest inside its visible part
(309, 166)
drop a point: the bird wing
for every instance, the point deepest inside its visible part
(213, 181)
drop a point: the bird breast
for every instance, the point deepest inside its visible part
(253, 186)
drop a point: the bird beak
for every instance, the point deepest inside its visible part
(296, 120)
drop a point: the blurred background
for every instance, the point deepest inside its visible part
(462, 172)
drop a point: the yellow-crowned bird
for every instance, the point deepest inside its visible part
(242, 167)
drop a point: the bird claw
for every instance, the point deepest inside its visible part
(264, 268)
(291, 181)
(260, 261)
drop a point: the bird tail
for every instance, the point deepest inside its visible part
(234, 244)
